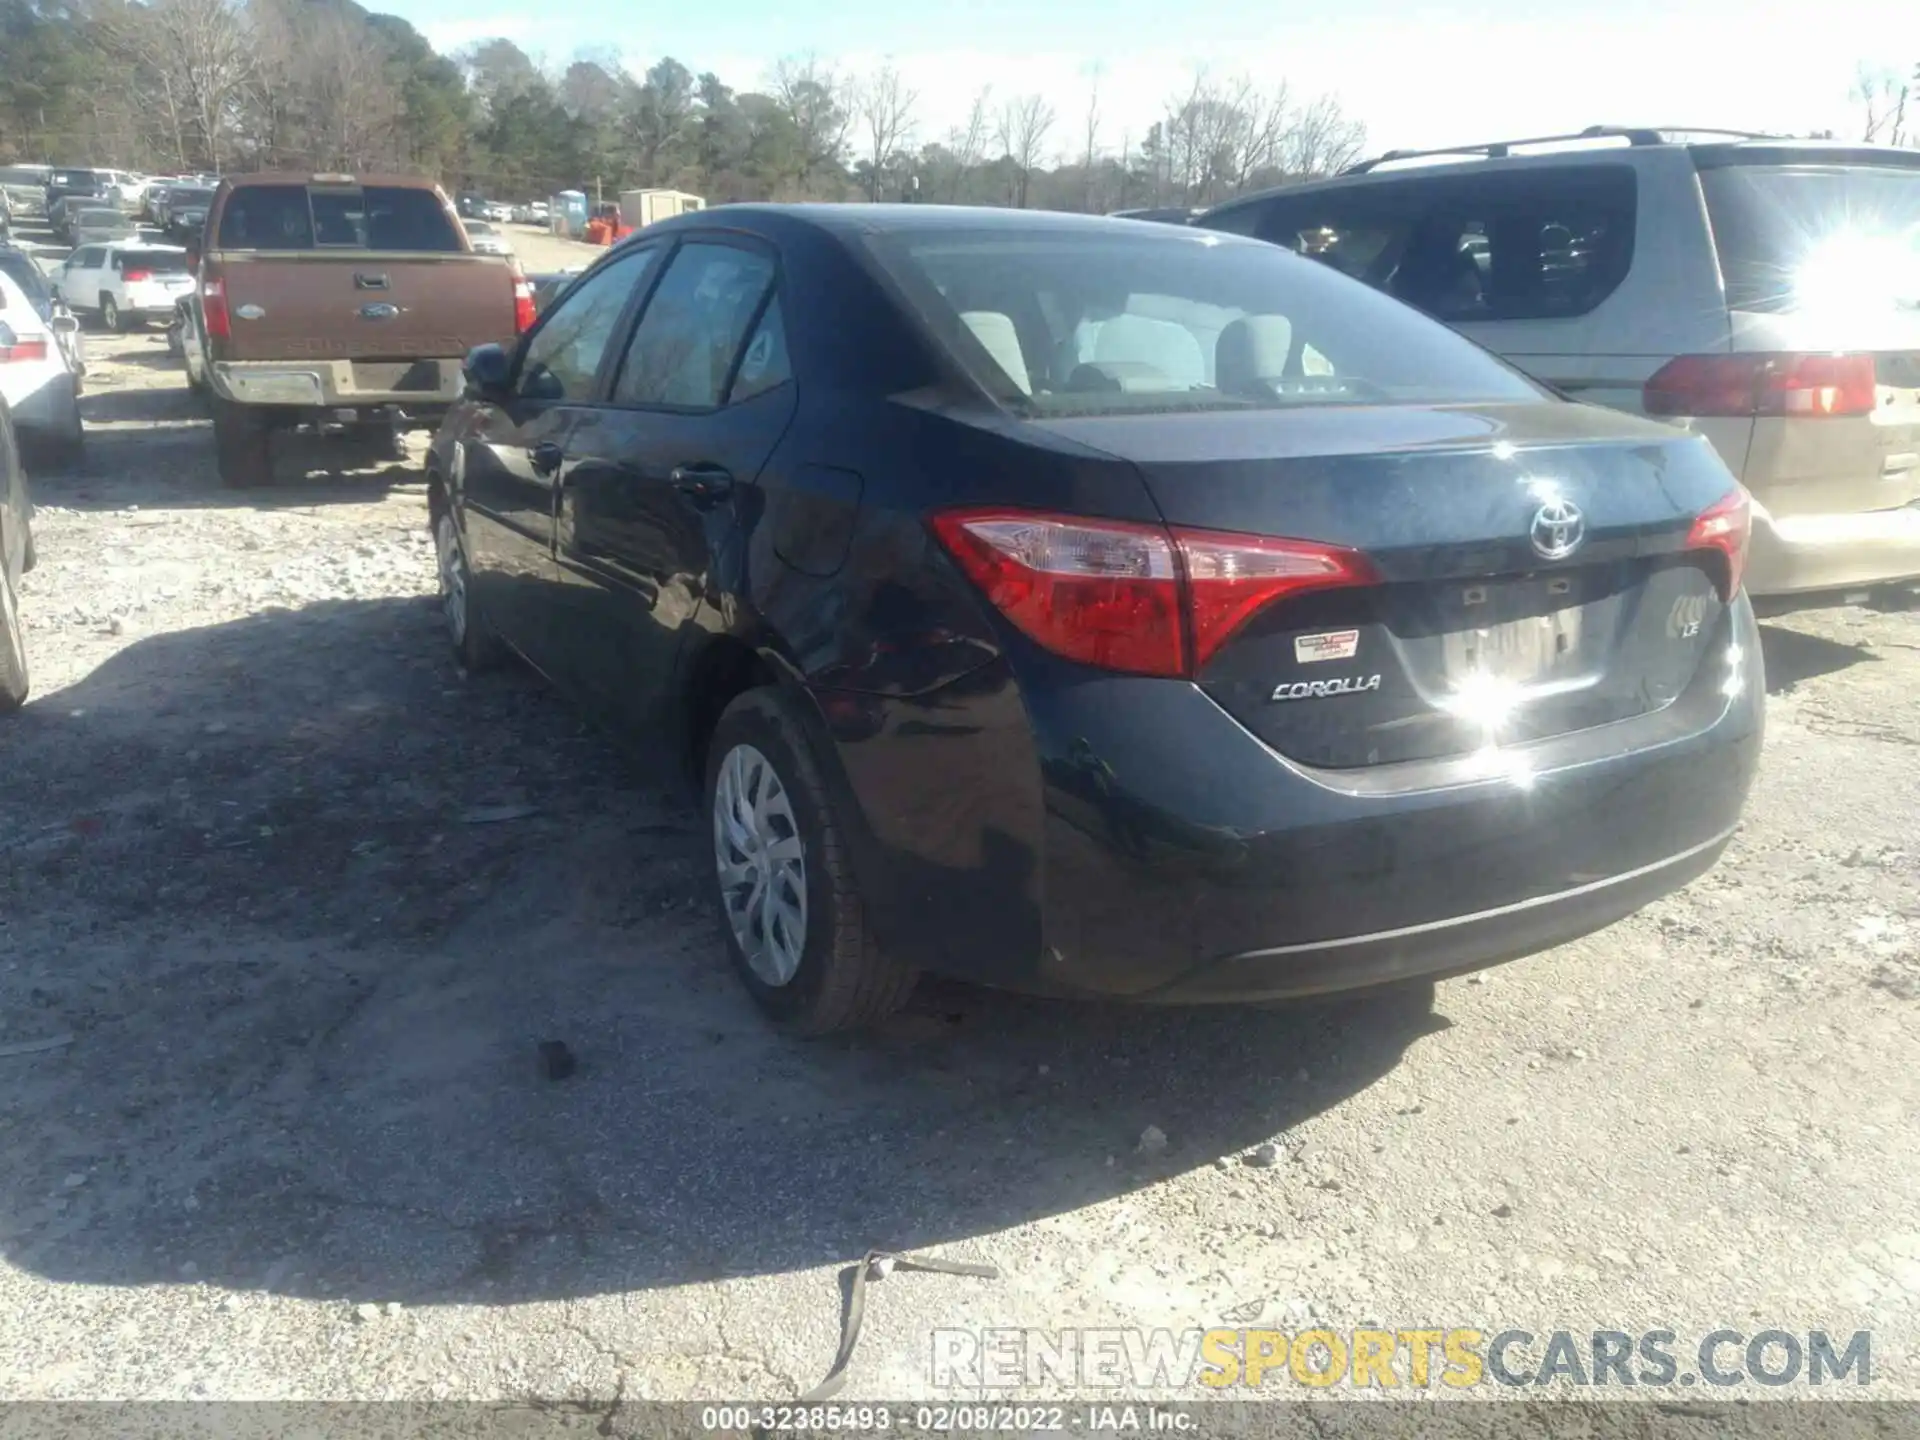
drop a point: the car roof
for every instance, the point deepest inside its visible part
(848, 220)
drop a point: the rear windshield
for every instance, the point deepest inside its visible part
(185, 197)
(75, 177)
(21, 175)
(160, 262)
(316, 217)
(1137, 321)
(1796, 238)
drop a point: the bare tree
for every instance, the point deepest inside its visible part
(1884, 95)
(814, 99)
(1093, 138)
(1022, 130)
(885, 108)
(196, 57)
(969, 142)
(1322, 140)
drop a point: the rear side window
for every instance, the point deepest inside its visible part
(1820, 237)
(316, 217)
(1528, 245)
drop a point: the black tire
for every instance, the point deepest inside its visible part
(66, 448)
(843, 980)
(242, 445)
(381, 438)
(475, 647)
(14, 683)
(111, 317)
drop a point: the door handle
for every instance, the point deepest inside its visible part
(704, 485)
(546, 457)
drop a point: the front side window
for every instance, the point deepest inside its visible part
(684, 347)
(1059, 323)
(563, 358)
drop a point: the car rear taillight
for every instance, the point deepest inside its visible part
(1142, 599)
(136, 277)
(1726, 526)
(523, 311)
(1770, 384)
(213, 309)
(13, 348)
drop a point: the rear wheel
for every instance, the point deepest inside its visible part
(111, 317)
(13, 648)
(242, 443)
(796, 926)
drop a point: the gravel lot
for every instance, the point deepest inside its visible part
(306, 902)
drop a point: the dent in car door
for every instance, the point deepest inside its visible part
(661, 482)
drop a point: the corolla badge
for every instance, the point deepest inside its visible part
(1557, 530)
(1321, 689)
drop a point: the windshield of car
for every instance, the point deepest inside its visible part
(183, 197)
(1811, 238)
(479, 227)
(348, 217)
(75, 179)
(1128, 320)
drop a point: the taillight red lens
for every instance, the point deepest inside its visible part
(136, 277)
(13, 348)
(1726, 526)
(1770, 384)
(1099, 591)
(523, 311)
(213, 308)
(1136, 598)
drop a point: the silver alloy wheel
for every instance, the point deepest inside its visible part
(763, 866)
(453, 577)
(10, 629)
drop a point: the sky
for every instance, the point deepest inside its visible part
(1415, 73)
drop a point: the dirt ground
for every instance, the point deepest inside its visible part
(298, 903)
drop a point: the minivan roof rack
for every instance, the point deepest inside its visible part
(1500, 149)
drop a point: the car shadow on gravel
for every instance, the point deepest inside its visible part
(1794, 655)
(307, 903)
(100, 406)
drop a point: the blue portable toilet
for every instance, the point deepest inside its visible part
(569, 216)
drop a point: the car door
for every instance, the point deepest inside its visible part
(511, 453)
(77, 281)
(662, 479)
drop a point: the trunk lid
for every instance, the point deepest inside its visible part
(1533, 571)
(364, 305)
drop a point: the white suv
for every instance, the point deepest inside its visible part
(124, 284)
(1763, 291)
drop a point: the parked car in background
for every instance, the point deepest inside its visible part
(186, 212)
(486, 239)
(472, 206)
(498, 213)
(37, 374)
(326, 297)
(16, 558)
(1102, 608)
(548, 286)
(125, 189)
(25, 187)
(1763, 292)
(63, 183)
(6, 215)
(124, 285)
(26, 272)
(97, 224)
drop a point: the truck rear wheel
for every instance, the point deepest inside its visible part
(242, 445)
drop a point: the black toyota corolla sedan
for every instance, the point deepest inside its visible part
(1097, 607)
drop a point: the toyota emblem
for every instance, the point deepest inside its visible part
(1558, 528)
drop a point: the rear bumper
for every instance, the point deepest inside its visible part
(42, 399)
(423, 388)
(1805, 554)
(1104, 835)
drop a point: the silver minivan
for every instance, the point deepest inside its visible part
(1763, 291)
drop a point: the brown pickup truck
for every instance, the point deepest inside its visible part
(331, 300)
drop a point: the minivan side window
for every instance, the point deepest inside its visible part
(1523, 245)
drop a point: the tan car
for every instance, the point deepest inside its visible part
(335, 300)
(1763, 291)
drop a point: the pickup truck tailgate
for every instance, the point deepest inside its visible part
(368, 305)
